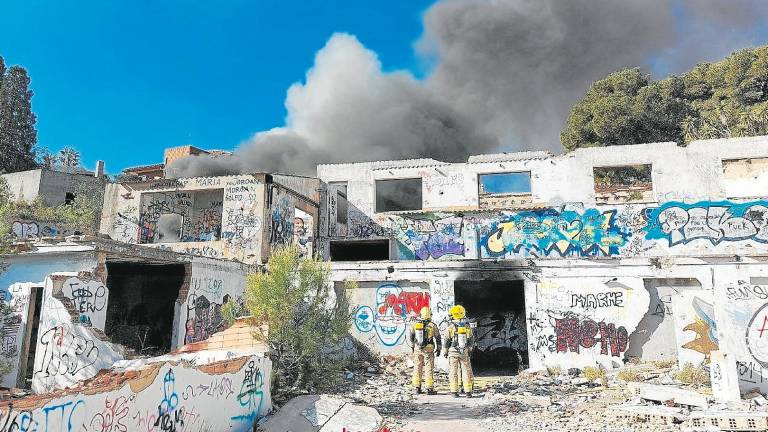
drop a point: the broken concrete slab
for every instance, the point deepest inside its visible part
(356, 418)
(290, 416)
(322, 409)
(662, 394)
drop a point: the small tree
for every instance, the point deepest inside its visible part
(300, 318)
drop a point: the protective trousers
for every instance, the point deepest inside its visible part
(424, 366)
(456, 361)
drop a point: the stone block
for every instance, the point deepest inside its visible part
(354, 418)
(661, 393)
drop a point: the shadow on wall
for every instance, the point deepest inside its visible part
(654, 339)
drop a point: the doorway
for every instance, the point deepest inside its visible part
(497, 308)
(142, 297)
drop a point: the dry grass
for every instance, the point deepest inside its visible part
(630, 375)
(595, 373)
(554, 371)
(662, 364)
(692, 375)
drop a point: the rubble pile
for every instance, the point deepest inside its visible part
(654, 400)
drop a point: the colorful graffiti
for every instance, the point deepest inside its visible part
(705, 329)
(394, 308)
(281, 228)
(716, 222)
(591, 233)
(204, 317)
(30, 229)
(150, 401)
(433, 238)
(572, 334)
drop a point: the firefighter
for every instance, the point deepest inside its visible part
(458, 343)
(425, 342)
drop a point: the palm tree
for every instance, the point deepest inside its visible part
(69, 157)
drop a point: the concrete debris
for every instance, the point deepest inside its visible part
(322, 413)
(529, 401)
(665, 394)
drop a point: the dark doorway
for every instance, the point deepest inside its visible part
(30, 343)
(498, 310)
(360, 250)
(141, 304)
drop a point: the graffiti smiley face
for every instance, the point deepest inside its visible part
(389, 320)
(364, 319)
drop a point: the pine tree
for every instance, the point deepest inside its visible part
(18, 135)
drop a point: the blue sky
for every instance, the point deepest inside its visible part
(120, 81)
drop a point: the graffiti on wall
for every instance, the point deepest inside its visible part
(393, 309)
(716, 222)
(587, 319)
(303, 227)
(65, 353)
(501, 332)
(436, 237)
(281, 228)
(204, 317)
(572, 334)
(89, 299)
(590, 233)
(31, 229)
(155, 405)
(704, 329)
(757, 336)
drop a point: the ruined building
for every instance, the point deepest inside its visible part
(652, 251)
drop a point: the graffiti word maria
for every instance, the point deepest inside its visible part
(572, 334)
(591, 233)
(716, 222)
(599, 300)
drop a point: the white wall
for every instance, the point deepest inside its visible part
(66, 352)
(230, 395)
(562, 191)
(23, 274)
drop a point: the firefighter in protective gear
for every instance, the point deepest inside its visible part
(459, 342)
(425, 341)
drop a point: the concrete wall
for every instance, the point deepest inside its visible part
(24, 185)
(51, 186)
(227, 395)
(22, 276)
(67, 351)
(251, 218)
(694, 210)
(213, 283)
(577, 312)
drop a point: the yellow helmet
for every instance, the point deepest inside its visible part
(426, 313)
(457, 312)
